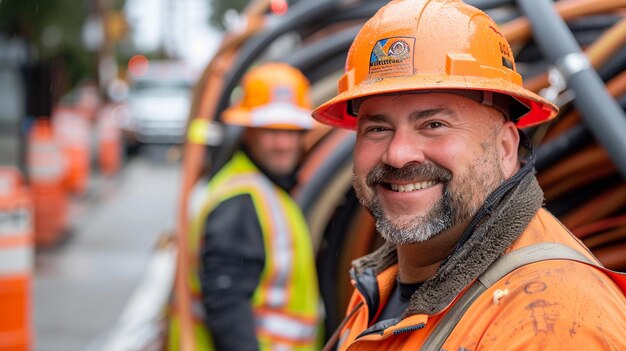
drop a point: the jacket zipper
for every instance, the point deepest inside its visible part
(409, 329)
(395, 332)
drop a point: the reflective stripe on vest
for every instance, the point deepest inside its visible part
(287, 328)
(276, 289)
(282, 320)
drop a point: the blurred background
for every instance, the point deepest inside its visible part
(94, 103)
(110, 114)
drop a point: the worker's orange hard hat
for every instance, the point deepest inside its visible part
(433, 46)
(275, 96)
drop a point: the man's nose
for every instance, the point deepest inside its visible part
(285, 138)
(403, 148)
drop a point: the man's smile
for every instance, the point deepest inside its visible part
(411, 186)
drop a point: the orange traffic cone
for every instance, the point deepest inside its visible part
(72, 130)
(46, 171)
(16, 261)
(109, 141)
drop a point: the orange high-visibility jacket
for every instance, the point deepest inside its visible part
(547, 305)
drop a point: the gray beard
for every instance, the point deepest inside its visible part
(417, 229)
(457, 205)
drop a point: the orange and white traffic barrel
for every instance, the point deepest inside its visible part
(72, 129)
(16, 261)
(46, 172)
(88, 100)
(109, 140)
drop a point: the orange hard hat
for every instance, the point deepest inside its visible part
(433, 46)
(275, 96)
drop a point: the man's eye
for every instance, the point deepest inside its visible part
(375, 129)
(434, 124)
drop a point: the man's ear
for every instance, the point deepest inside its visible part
(508, 145)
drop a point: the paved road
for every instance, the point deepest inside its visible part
(81, 286)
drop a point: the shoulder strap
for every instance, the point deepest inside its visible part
(503, 266)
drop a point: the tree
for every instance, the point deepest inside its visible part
(53, 29)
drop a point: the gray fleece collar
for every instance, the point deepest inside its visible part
(497, 230)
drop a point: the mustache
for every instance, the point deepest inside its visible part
(384, 173)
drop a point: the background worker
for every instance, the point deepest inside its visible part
(256, 266)
(432, 91)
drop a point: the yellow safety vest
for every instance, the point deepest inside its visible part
(286, 301)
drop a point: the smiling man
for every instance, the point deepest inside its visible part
(472, 261)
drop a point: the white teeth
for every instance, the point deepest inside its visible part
(411, 187)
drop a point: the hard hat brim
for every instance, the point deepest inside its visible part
(335, 111)
(271, 116)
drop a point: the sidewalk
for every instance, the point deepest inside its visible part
(82, 286)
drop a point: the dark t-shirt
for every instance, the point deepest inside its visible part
(398, 301)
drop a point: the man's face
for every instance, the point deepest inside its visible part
(277, 150)
(425, 163)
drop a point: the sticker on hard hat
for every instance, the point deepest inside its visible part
(392, 57)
